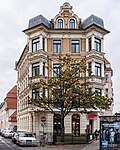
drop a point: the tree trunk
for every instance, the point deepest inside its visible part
(62, 127)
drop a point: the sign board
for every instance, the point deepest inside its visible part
(109, 132)
(43, 119)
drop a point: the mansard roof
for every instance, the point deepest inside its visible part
(92, 20)
(88, 22)
(39, 20)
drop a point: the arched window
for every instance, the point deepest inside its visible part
(60, 23)
(72, 23)
(76, 125)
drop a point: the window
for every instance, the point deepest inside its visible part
(56, 46)
(75, 70)
(43, 44)
(106, 78)
(57, 93)
(90, 90)
(98, 69)
(89, 44)
(43, 68)
(56, 70)
(35, 44)
(60, 23)
(43, 93)
(106, 92)
(35, 94)
(99, 91)
(35, 69)
(97, 45)
(72, 23)
(89, 68)
(76, 125)
(75, 46)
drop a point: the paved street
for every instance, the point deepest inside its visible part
(6, 144)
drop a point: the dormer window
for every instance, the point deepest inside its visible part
(72, 23)
(60, 23)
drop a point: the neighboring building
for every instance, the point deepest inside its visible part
(108, 89)
(8, 109)
(66, 33)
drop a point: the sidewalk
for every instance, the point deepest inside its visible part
(92, 146)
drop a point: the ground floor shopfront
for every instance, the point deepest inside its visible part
(76, 124)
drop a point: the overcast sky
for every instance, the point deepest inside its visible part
(14, 17)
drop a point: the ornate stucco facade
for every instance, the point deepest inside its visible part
(66, 33)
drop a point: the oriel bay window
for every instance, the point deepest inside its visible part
(56, 46)
(35, 69)
(98, 69)
(76, 125)
(35, 44)
(75, 46)
(35, 93)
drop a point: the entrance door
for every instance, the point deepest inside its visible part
(57, 124)
(76, 125)
(91, 126)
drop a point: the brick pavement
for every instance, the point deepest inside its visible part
(92, 146)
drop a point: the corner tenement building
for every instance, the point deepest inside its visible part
(66, 33)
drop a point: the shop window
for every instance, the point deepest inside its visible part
(75, 125)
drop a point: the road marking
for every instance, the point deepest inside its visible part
(6, 143)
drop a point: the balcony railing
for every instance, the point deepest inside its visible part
(37, 80)
(95, 79)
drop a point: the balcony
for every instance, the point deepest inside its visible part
(96, 80)
(37, 81)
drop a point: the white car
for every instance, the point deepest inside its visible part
(26, 139)
(8, 133)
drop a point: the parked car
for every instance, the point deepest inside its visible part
(3, 132)
(8, 134)
(26, 139)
